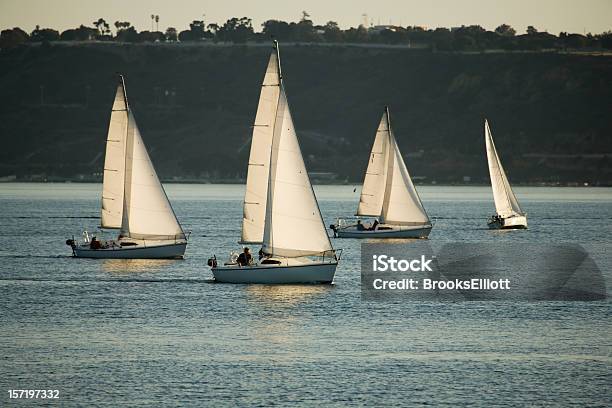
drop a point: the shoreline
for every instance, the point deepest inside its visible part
(319, 183)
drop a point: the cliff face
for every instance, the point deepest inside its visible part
(549, 113)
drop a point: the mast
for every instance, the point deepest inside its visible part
(280, 72)
(125, 99)
(388, 119)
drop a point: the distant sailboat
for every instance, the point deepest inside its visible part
(387, 193)
(509, 214)
(280, 209)
(133, 199)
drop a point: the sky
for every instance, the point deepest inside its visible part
(576, 16)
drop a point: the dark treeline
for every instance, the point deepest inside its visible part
(195, 106)
(240, 30)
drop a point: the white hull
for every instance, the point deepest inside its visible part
(168, 251)
(395, 232)
(517, 222)
(310, 272)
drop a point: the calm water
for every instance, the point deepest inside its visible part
(142, 333)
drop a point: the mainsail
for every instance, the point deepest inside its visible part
(388, 191)
(293, 222)
(505, 201)
(114, 162)
(254, 209)
(147, 213)
(373, 190)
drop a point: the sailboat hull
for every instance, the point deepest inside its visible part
(518, 222)
(308, 273)
(396, 231)
(169, 251)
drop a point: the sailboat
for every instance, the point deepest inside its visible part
(133, 199)
(388, 194)
(280, 211)
(509, 214)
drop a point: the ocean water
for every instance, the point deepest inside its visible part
(143, 333)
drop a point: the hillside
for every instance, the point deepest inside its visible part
(550, 113)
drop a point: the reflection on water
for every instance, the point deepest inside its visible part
(505, 231)
(393, 240)
(127, 266)
(285, 295)
(282, 327)
(276, 330)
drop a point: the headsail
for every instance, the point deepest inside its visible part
(147, 213)
(293, 225)
(254, 209)
(388, 191)
(505, 200)
(114, 162)
(402, 205)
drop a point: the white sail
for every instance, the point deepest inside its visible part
(373, 190)
(114, 162)
(293, 226)
(388, 191)
(254, 209)
(505, 201)
(147, 213)
(402, 205)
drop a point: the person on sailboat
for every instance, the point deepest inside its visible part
(245, 258)
(360, 226)
(374, 225)
(95, 244)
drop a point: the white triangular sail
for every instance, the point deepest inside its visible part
(373, 190)
(506, 204)
(293, 226)
(114, 162)
(255, 196)
(147, 213)
(402, 205)
(388, 191)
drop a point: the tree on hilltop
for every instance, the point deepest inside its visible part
(505, 30)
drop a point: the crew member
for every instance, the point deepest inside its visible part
(244, 259)
(95, 244)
